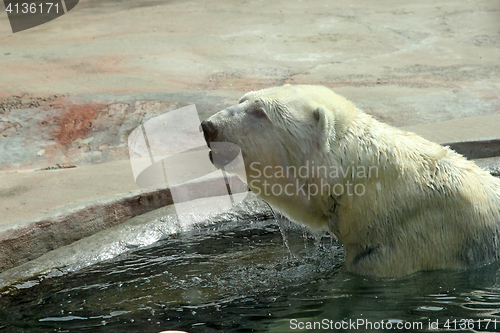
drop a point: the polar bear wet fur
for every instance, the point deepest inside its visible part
(397, 202)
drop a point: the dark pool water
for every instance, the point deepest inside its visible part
(241, 277)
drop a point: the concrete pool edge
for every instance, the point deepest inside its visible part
(24, 240)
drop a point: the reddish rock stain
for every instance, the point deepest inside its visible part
(76, 122)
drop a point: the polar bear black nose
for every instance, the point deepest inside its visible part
(209, 131)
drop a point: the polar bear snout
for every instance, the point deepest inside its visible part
(209, 131)
(221, 152)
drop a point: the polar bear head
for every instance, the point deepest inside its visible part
(279, 130)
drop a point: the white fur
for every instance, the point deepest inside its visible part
(429, 207)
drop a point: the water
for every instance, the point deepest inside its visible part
(240, 276)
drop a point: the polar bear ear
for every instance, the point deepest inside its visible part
(320, 115)
(324, 122)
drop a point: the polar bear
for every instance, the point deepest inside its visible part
(397, 202)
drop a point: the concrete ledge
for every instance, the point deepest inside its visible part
(29, 239)
(470, 129)
(473, 137)
(477, 149)
(492, 165)
(26, 240)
